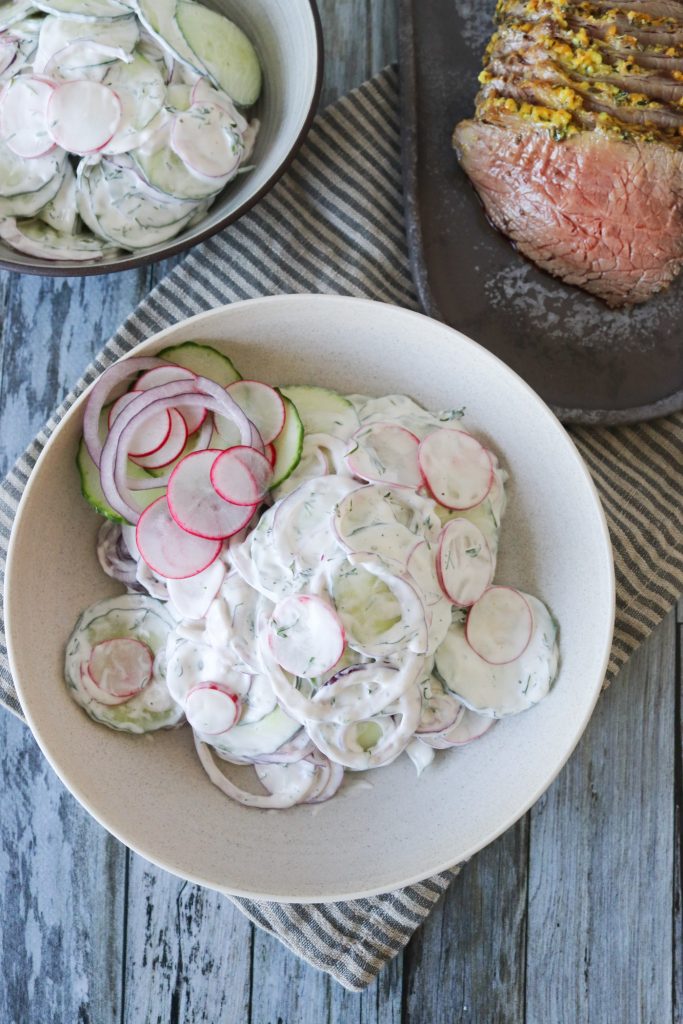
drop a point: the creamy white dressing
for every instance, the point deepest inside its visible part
(368, 553)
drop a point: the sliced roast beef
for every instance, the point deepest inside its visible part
(600, 213)
(576, 149)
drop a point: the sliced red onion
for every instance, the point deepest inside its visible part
(271, 800)
(114, 454)
(101, 392)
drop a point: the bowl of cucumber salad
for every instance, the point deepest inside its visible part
(132, 129)
(292, 582)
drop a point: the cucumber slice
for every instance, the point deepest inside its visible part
(37, 239)
(288, 445)
(323, 411)
(130, 616)
(57, 33)
(21, 178)
(262, 737)
(141, 90)
(61, 213)
(158, 17)
(366, 606)
(91, 488)
(166, 172)
(223, 49)
(15, 11)
(84, 10)
(118, 206)
(202, 360)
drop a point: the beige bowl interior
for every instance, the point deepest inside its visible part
(285, 34)
(152, 792)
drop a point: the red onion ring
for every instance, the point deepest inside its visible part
(101, 392)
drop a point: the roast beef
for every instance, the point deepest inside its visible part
(576, 146)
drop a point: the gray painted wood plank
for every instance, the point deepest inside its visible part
(465, 965)
(287, 991)
(61, 882)
(188, 952)
(51, 330)
(601, 858)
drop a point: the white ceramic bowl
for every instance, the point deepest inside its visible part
(288, 38)
(153, 794)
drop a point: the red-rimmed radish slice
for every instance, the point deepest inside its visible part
(192, 597)
(241, 475)
(194, 416)
(271, 454)
(464, 563)
(150, 435)
(170, 448)
(169, 550)
(499, 625)
(440, 712)
(211, 709)
(121, 668)
(470, 726)
(305, 635)
(262, 405)
(458, 470)
(23, 116)
(385, 453)
(195, 504)
(204, 138)
(113, 456)
(82, 116)
(204, 92)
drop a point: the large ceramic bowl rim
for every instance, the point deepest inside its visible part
(592, 689)
(173, 248)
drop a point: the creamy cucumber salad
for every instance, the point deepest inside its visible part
(310, 577)
(121, 121)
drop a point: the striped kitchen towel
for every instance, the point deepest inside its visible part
(335, 224)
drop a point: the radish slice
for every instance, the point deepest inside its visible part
(196, 506)
(457, 468)
(241, 475)
(167, 549)
(83, 116)
(194, 416)
(262, 405)
(464, 563)
(204, 138)
(211, 709)
(470, 726)
(23, 116)
(386, 453)
(150, 435)
(121, 667)
(170, 448)
(271, 454)
(305, 635)
(499, 625)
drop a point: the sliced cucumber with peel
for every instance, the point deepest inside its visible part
(223, 49)
(202, 360)
(158, 17)
(323, 411)
(91, 487)
(288, 445)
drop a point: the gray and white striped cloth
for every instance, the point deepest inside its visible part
(335, 224)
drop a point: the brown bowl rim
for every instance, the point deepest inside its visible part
(92, 269)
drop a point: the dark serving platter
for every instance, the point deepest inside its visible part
(590, 363)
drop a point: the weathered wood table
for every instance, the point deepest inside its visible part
(573, 916)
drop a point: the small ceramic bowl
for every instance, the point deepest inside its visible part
(288, 38)
(386, 828)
